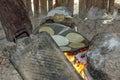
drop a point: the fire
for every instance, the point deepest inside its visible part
(78, 65)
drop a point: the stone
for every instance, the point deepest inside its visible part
(39, 58)
(104, 57)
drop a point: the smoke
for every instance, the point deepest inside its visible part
(111, 43)
(103, 46)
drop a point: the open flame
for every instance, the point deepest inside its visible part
(78, 64)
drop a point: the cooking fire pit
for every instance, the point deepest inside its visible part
(72, 43)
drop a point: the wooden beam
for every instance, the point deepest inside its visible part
(89, 4)
(81, 4)
(111, 5)
(71, 4)
(105, 4)
(43, 6)
(58, 3)
(36, 7)
(24, 1)
(82, 8)
(50, 4)
(97, 3)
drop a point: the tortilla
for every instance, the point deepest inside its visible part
(77, 45)
(59, 17)
(65, 48)
(74, 37)
(60, 40)
(47, 29)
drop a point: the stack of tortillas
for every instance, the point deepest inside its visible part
(66, 38)
(75, 40)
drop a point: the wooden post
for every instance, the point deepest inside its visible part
(50, 4)
(14, 18)
(111, 5)
(105, 4)
(88, 4)
(43, 6)
(82, 8)
(24, 1)
(71, 4)
(97, 3)
(58, 3)
(29, 7)
(36, 7)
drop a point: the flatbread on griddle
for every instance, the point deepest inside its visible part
(47, 29)
(60, 40)
(77, 45)
(74, 37)
(65, 48)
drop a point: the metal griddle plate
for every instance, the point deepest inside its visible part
(76, 41)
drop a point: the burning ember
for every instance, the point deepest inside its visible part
(79, 62)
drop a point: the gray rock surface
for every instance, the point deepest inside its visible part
(104, 57)
(7, 70)
(39, 58)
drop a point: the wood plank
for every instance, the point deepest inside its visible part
(43, 6)
(71, 4)
(36, 7)
(58, 3)
(105, 4)
(82, 8)
(50, 4)
(81, 2)
(88, 4)
(41, 59)
(97, 3)
(111, 5)
(24, 1)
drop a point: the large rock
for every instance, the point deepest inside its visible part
(7, 70)
(39, 58)
(104, 57)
